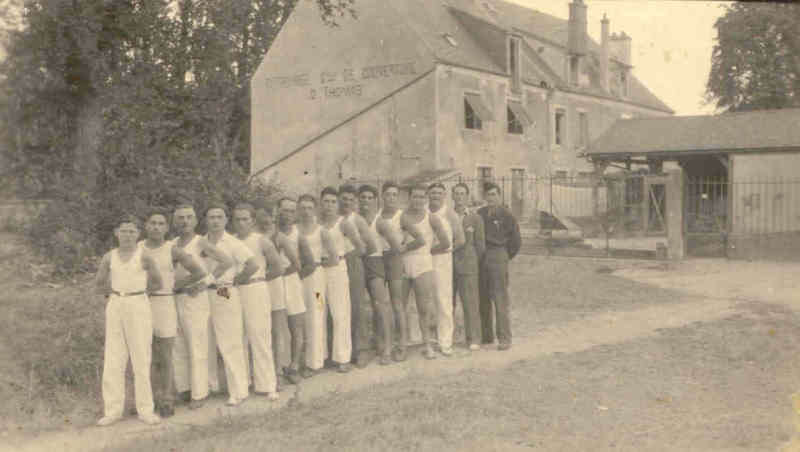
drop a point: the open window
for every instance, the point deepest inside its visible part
(518, 118)
(475, 111)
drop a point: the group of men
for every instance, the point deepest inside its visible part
(172, 304)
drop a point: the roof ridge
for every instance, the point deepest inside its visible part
(717, 115)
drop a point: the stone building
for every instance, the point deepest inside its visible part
(427, 89)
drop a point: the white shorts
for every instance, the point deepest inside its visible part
(416, 264)
(293, 291)
(165, 316)
(276, 295)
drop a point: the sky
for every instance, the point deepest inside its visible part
(671, 43)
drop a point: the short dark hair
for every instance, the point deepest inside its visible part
(388, 185)
(368, 188)
(307, 197)
(329, 191)
(183, 205)
(216, 205)
(436, 185)
(461, 185)
(489, 186)
(417, 187)
(157, 211)
(248, 207)
(285, 198)
(128, 218)
(348, 188)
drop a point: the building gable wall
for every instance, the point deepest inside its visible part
(314, 77)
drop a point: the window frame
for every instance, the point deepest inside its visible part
(560, 139)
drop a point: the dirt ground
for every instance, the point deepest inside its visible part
(673, 360)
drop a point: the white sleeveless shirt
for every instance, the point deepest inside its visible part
(348, 245)
(192, 249)
(162, 256)
(253, 243)
(426, 230)
(315, 244)
(381, 243)
(292, 237)
(448, 230)
(128, 276)
(394, 226)
(338, 239)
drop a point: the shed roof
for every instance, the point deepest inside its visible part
(743, 131)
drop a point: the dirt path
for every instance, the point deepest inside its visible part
(566, 337)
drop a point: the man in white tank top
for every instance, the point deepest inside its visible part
(443, 266)
(125, 275)
(256, 302)
(226, 307)
(286, 240)
(336, 276)
(359, 313)
(312, 243)
(194, 354)
(375, 274)
(422, 231)
(162, 303)
(390, 229)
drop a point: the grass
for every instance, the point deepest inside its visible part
(723, 385)
(52, 358)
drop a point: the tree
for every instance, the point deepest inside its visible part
(755, 63)
(131, 103)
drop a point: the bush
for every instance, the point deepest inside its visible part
(75, 229)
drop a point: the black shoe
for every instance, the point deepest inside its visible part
(343, 368)
(305, 372)
(166, 410)
(293, 376)
(185, 396)
(503, 347)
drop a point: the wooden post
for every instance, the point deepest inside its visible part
(674, 217)
(645, 206)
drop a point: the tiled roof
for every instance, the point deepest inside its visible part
(752, 130)
(479, 28)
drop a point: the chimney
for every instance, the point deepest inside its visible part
(604, 52)
(620, 48)
(576, 41)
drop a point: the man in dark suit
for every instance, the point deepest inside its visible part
(502, 244)
(465, 265)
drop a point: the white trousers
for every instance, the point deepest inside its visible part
(443, 295)
(190, 355)
(129, 333)
(338, 291)
(258, 335)
(316, 343)
(226, 320)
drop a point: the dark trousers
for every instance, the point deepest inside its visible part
(494, 295)
(466, 287)
(162, 373)
(360, 309)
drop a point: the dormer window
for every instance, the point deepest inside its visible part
(623, 82)
(514, 69)
(574, 69)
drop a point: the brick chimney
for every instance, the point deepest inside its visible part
(620, 48)
(576, 40)
(604, 52)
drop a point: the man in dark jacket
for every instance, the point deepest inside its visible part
(502, 244)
